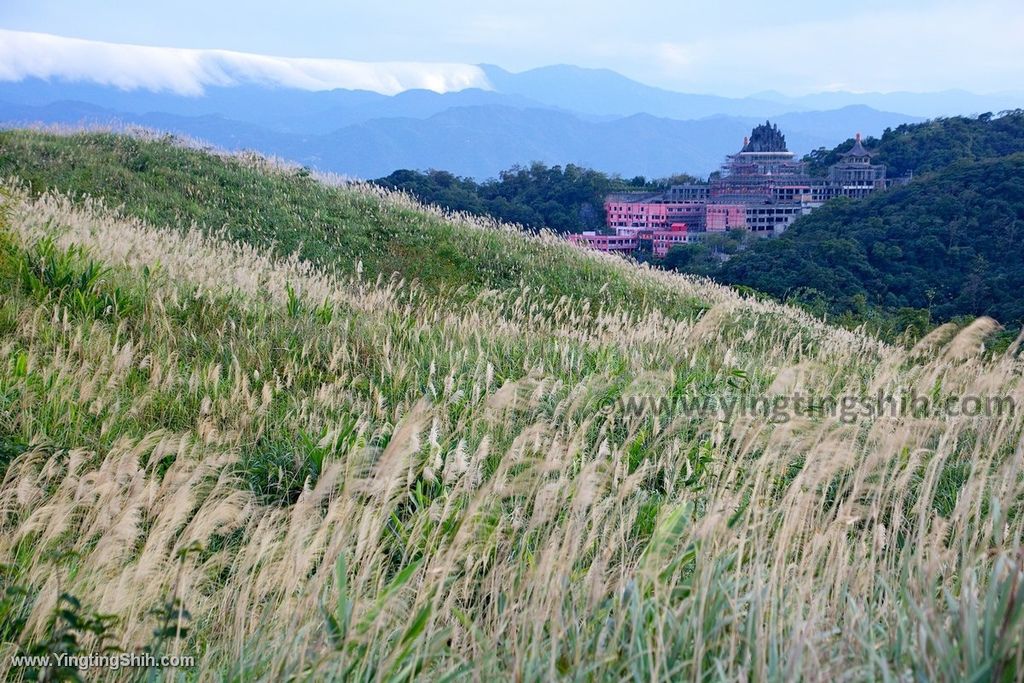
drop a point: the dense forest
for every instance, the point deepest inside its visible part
(951, 244)
(920, 148)
(563, 199)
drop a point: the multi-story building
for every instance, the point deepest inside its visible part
(854, 175)
(663, 240)
(721, 217)
(657, 241)
(762, 188)
(636, 212)
(629, 212)
(620, 243)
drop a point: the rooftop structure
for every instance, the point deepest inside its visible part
(766, 138)
(764, 153)
(854, 175)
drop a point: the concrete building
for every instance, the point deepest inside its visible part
(721, 216)
(627, 213)
(663, 240)
(620, 243)
(634, 213)
(762, 188)
(855, 175)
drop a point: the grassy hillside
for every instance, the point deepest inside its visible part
(291, 213)
(353, 475)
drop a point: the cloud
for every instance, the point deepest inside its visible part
(674, 56)
(188, 72)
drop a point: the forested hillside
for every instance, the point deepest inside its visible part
(920, 148)
(569, 199)
(951, 243)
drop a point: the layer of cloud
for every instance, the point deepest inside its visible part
(188, 72)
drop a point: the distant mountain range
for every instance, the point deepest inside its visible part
(606, 93)
(931, 104)
(557, 115)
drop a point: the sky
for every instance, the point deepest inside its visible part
(734, 48)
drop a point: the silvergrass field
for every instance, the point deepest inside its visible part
(386, 443)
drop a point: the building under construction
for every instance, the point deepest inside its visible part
(762, 188)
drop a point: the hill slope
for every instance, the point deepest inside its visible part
(500, 473)
(291, 212)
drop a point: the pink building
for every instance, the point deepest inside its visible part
(663, 240)
(689, 212)
(762, 188)
(723, 217)
(627, 213)
(623, 243)
(628, 216)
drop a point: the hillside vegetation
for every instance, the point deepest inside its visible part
(272, 453)
(292, 213)
(569, 199)
(920, 148)
(951, 244)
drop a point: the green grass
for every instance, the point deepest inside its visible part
(425, 470)
(292, 213)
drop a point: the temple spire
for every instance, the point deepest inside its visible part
(858, 149)
(765, 138)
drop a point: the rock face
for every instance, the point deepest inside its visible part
(766, 138)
